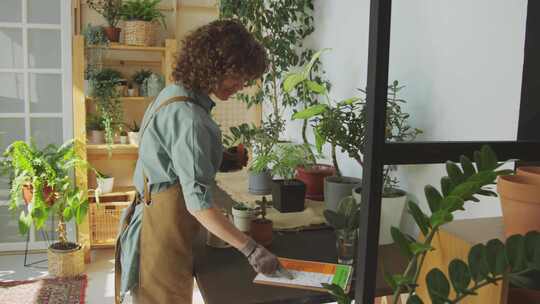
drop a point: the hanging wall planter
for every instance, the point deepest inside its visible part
(288, 195)
(520, 202)
(49, 195)
(338, 187)
(314, 177)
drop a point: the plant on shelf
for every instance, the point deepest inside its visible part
(288, 193)
(345, 222)
(133, 134)
(139, 16)
(105, 183)
(488, 263)
(261, 228)
(139, 79)
(41, 178)
(108, 105)
(110, 10)
(96, 43)
(281, 26)
(95, 126)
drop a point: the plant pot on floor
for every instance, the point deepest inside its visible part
(391, 212)
(96, 137)
(105, 184)
(314, 177)
(242, 219)
(288, 195)
(338, 187)
(48, 194)
(260, 183)
(65, 260)
(261, 231)
(112, 33)
(520, 202)
(133, 138)
(139, 33)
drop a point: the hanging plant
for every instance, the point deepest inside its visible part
(96, 43)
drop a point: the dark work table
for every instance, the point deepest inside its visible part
(224, 275)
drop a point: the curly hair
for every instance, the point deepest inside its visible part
(218, 50)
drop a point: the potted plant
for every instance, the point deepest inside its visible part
(110, 10)
(96, 44)
(131, 90)
(242, 216)
(108, 105)
(139, 16)
(105, 183)
(139, 79)
(345, 222)
(38, 170)
(261, 228)
(123, 137)
(133, 134)
(96, 129)
(288, 193)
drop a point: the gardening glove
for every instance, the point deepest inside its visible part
(232, 160)
(262, 260)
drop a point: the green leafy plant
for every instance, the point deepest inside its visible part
(95, 123)
(134, 127)
(142, 10)
(140, 76)
(487, 264)
(109, 9)
(261, 210)
(96, 43)
(347, 216)
(107, 102)
(338, 292)
(38, 169)
(287, 157)
(94, 35)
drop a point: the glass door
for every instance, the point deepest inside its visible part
(35, 90)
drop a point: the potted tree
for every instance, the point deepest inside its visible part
(139, 16)
(110, 10)
(261, 228)
(96, 129)
(139, 79)
(243, 214)
(345, 221)
(38, 170)
(288, 193)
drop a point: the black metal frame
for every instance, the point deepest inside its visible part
(378, 153)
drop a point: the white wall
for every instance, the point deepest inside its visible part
(461, 61)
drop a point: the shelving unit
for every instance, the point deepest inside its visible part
(117, 160)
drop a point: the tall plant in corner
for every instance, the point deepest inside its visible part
(281, 26)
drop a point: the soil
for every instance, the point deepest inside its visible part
(65, 246)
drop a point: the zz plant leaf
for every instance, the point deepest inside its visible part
(460, 275)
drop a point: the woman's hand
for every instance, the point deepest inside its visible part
(262, 260)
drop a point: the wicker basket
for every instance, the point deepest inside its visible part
(104, 221)
(139, 33)
(66, 263)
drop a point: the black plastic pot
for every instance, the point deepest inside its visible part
(288, 195)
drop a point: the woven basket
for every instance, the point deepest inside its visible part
(139, 33)
(104, 221)
(66, 263)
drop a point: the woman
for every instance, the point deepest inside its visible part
(179, 155)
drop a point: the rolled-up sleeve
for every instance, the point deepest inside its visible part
(191, 156)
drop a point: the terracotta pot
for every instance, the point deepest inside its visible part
(530, 172)
(96, 137)
(261, 231)
(314, 177)
(520, 202)
(112, 33)
(48, 194)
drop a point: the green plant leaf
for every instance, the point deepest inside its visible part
(433, 197)
(446, 186)
(460, 275)
(292, 80)
(81, 212)
(478, 263)
(489, 158)
(315, 87)
(515, 252)
(438, 286)
(310, 112)
(419, 217)
(319, 140)
(532, 247)
(417, 248)
(312, 61)
(414, 299)
(334, 219)
(440, 217)
(453, 202)
(467, 165)
(389, 279)
(349, 101)
(496, 257)
(25, 222)
(528, 280)
(454, 172)
(402, 242)
(68, 213)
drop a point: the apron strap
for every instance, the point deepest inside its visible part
(147, 194)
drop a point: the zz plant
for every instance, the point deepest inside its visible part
(37, 169)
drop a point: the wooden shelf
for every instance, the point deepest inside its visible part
(124, 47)
(130, 99)
(118, 194)
(117, 152)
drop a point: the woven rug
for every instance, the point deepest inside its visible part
(44, 291)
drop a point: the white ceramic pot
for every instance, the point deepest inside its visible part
(391, 213)
(105, 185)
(123, 140)
(133, 138)
(131, 93)
(242, 219)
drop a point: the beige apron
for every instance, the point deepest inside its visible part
(166, 257)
